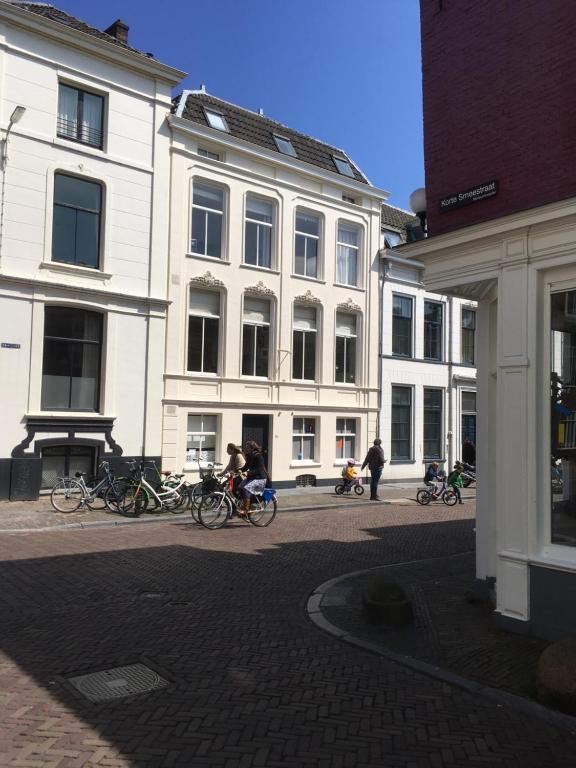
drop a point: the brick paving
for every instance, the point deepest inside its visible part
(221, 615)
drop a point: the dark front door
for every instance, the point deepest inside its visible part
(257, 428)
(66, 460)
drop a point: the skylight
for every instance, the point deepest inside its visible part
(285, 145)
(392, 238)
(216, 120)
(343, 166)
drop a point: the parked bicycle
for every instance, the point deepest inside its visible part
(69, 494)
(468, 473)
(138, 493)
(219, 506)
(438, 493)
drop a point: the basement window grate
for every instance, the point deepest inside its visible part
(118, 682)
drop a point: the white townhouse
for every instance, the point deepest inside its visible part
(428, 358)
(274, 291)
(83, 246)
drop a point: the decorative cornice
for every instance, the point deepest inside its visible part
(207, 281)
(307, 298)
(350, 306)
(259, 290)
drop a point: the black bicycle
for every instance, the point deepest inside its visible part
(219, 506)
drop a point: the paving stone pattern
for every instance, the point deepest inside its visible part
(453, 626)
(221, 616)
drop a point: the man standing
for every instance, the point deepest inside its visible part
(375, 461)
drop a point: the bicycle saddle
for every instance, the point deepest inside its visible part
(79, 474)
(179, 475)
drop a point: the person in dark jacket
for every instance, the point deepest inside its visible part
(375, 462)
(469, 453)
(256, 475)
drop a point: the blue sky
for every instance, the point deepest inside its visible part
(344, 71)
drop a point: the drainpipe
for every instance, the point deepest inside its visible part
(450, 387)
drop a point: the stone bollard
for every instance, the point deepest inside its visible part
(556, 676)
(385, 602)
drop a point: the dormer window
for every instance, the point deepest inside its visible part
(392, 238)
(343, 166)
(216, 120)
(284, 145)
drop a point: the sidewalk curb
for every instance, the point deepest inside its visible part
(501, 698)
(184, 516)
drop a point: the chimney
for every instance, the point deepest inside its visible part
(119, 30)
(261, 112)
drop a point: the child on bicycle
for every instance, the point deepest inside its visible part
(432, 477)
(349, 474)
(455, 481)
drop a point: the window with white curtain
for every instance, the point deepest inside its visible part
(255, 337)
(259, 230)
(207, 219)
(347, 250)
(304, 343)
(303, 439)
(203, 331)
(80, 116)
(345, 348)
(307, 244)
(201, 438)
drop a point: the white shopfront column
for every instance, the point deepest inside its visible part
(512, 439)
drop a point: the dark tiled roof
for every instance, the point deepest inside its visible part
(55, 14)
(396, 219)
(257, 129)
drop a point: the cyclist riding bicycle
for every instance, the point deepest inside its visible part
(235, 464)
(349, 474)
(256, 476)
(432, 477)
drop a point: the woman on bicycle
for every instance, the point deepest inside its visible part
(235, 462)
(256, 475)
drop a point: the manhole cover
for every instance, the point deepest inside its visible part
(118, 682)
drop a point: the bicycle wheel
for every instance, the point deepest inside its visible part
(423, 497)
(214, 510)
(467, 481)
(449, 498)
(195, 497)
(134, 501)
(263, 512)
(114, 493)
(174, 503)
(358, 490)
(67, 495)
(339, 489)
(98, 500)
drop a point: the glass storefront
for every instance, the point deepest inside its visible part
(563, 417)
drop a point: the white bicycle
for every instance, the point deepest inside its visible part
(138, 494)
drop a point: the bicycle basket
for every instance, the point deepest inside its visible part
(210, 484)
(268, 494)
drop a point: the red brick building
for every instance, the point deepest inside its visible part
(499, 79)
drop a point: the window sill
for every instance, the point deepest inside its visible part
(267, 270)
(298, 464)
(211, 259)
(309, 382)
(402, 461)
(255, 379)
(310, 279)
(68, 415)
(79, 146)
(73, 269)
(349, 287)
(202, 375)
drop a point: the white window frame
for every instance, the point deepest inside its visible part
(301, 435)
(203, 152)
(355, 336)
(442, 422)
(203, 462)
(355, 248)
(189, 314)
(305, 332)
(257, 324)
(442, 306)
(344, 434)
(209, 112)
(412, 324)
(279, 138)
(319, 243)
(410, 458)
(270, 225)
(222, 213)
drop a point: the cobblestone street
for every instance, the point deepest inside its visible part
(251, 681)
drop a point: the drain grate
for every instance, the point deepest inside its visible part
(118, 682)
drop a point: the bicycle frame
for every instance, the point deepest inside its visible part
(167, 493)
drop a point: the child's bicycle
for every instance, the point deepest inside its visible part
(346, 487)
(443, 493)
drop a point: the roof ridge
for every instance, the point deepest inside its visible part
(198, 92)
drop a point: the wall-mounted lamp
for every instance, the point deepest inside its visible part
(15, 117)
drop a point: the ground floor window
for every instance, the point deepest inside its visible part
(401, 424)
(345, 438)
(433, 416)
(201, 438)
(563, 417)
(65, 461)
(303, 439)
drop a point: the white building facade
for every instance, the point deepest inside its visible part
(274, 291)
(428, 374)
(83, 246)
